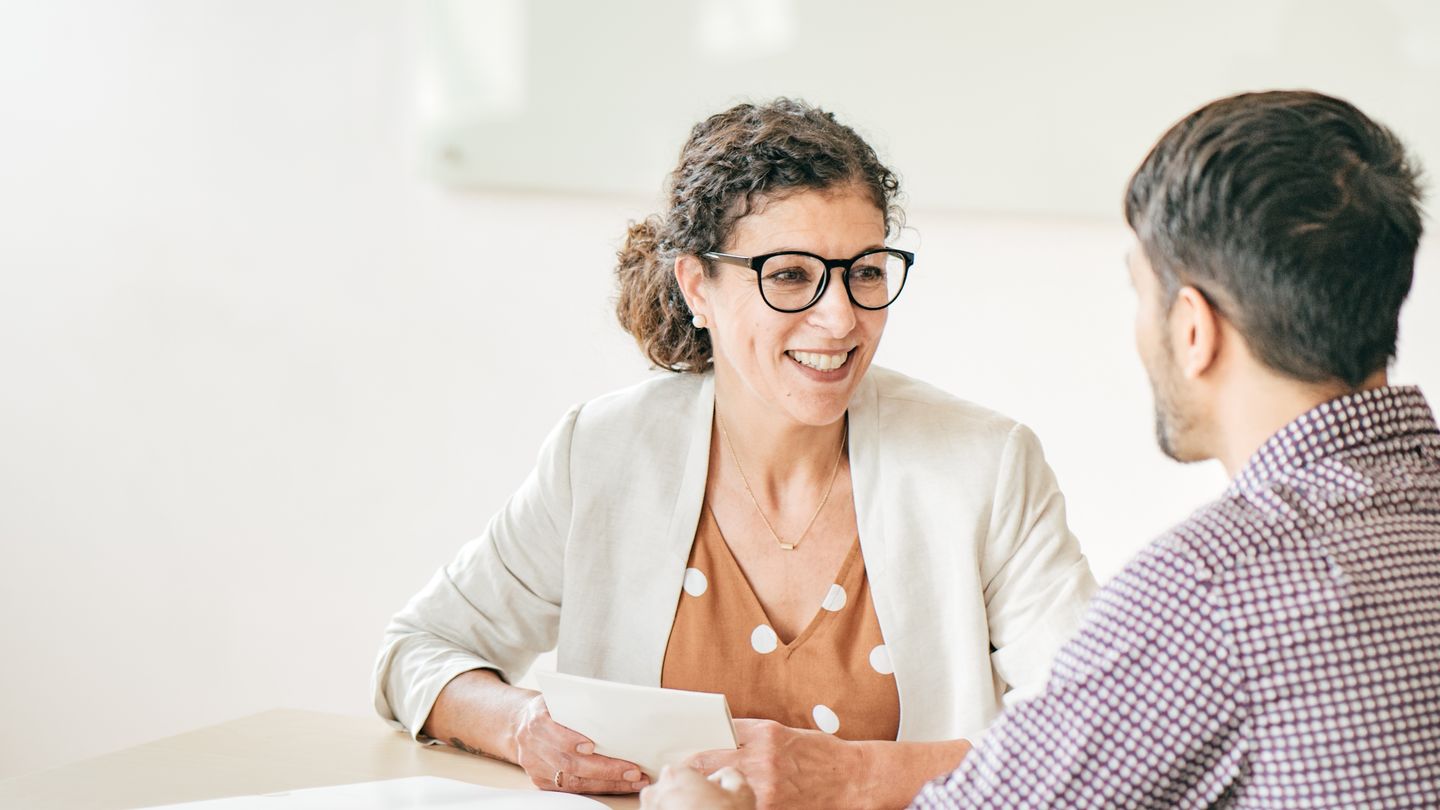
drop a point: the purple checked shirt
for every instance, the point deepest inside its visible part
(1278, 649)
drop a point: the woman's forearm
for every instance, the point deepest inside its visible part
(478, 713)
(893, 772)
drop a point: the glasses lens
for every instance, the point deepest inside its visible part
(789, 281)
(876, 279)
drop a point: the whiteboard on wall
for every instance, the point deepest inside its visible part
(1020, 108)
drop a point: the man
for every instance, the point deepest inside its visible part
(1281, 646)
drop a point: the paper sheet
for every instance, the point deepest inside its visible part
(646, 725)
(430, 792)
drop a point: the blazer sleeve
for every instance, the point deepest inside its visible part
(1037, 582)
(496, 606)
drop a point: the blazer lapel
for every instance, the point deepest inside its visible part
(865, 477)
(889, 583)
(661, 594)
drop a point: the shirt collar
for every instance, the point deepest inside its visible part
(1331, 428)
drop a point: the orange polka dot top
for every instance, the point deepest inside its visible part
(835, 676)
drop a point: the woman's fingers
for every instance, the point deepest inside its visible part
(596, 771)
(576, 768)
(575, 773)
(560, 758)
(580, 784)
(581, 752)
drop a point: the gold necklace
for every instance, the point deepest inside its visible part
(834, 473)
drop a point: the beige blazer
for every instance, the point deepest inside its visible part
(975, 576)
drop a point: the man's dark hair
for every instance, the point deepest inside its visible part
(1296, 216)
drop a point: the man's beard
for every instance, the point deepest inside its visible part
(1172, 424)
(1163, 422)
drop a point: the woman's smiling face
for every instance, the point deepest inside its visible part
(804, 365)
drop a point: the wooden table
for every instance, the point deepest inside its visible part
(278, 750)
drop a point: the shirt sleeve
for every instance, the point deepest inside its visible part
(495, 606)
(1144, 708)
(1037, 582)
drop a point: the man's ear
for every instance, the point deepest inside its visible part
(690, 274)
(1194, 332)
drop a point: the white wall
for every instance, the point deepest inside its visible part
(959, 94)
(251, 365)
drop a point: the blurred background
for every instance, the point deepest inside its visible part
(290, 292)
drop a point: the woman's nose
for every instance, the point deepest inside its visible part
(834, 312)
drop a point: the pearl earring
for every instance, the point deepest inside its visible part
(699, 322)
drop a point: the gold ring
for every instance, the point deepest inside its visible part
(559, 780)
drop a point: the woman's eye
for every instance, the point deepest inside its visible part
(790, 275)
(868, 274)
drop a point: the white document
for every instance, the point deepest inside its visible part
(646, 725)
(414, 793)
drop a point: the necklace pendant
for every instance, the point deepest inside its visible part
(787, 546)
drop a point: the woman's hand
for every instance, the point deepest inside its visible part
(790, 767)
(686, 789)
(558, 758)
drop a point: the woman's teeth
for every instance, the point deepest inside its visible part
(820, 362)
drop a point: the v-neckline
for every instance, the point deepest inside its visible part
(821, 613)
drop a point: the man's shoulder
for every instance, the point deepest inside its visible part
(1219, 536)
(1183, 564)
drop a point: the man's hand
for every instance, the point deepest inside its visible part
(686, 789)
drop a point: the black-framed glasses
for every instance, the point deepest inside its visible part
(794, 281)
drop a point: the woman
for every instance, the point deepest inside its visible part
(863, 564)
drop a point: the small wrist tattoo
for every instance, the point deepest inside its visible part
(459, 743)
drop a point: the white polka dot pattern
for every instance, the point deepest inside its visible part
(834, 599)
(764, 640)
(825, 719)
(1278, 649)
(696, 582)
(880, 660)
